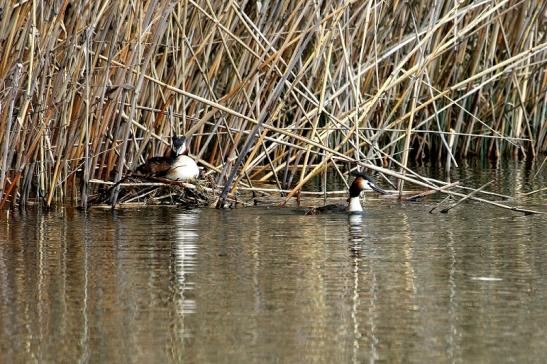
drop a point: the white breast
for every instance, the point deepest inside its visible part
(355, 205)
(184, 169)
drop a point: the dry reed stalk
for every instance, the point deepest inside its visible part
(430, 192)
(446, 209)
(287, 88)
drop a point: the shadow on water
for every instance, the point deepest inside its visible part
(272, 285)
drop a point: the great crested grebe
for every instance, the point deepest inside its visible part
(362, 182)
(177, 166)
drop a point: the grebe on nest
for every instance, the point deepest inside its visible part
(177, 166)
(362, 182)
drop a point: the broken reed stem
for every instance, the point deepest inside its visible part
(431, 192)
(445, 210)
(534, 192)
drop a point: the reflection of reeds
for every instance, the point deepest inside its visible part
(269, 90)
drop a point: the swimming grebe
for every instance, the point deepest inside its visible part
(177, 166)
(362, 182)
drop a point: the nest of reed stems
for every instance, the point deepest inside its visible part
(268, 91)
(138, 191)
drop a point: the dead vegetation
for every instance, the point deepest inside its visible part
(267, 90)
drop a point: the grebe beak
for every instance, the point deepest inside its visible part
(376, 188)
(369, 184)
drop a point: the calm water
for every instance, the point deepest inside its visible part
(163, 285)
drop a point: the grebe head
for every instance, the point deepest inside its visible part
(179, 145)
(363, 182)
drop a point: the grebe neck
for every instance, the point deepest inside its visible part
(354, 204)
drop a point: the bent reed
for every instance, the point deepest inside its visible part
(268, 91)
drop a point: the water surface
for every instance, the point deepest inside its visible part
(161, 285)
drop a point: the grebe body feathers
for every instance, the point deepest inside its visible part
(176, 166)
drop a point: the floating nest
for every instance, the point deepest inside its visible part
(134, 191)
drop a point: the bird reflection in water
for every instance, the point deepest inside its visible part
(363, 332)
(184, 252)
(356, 234)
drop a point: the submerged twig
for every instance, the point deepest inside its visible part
(445, 210)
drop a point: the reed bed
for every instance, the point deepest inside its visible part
(269, 91)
